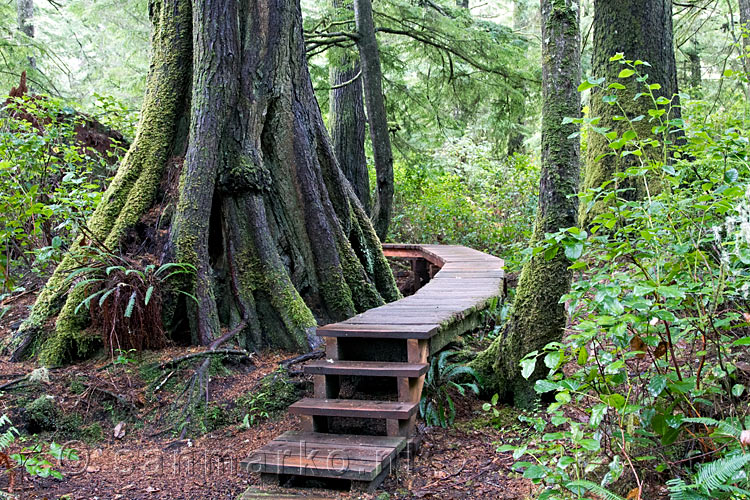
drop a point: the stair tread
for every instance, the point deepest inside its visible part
(367, 368)
(325, 455)
(353, 408)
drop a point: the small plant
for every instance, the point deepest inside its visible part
(36, 459)
(124, 357)
(436, 406)
(125, 300)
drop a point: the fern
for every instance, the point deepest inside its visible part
(576, 486)
(716, 474)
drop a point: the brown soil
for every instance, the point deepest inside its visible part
(149, 462)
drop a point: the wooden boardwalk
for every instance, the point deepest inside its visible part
(390, 345)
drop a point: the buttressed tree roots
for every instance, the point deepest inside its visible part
(262, 210)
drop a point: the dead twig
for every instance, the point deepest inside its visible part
(13, 382)
(301, 359)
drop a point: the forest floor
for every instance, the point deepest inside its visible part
(143, 457)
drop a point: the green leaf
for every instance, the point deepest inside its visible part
(574, 251)
(626, 73)
(131, 305)
(543, 386)
(617, 57)
(527, 367)
(657, 384)
(149, 292)
(731, 175)
(552, 359)
(535, 472)
(583, 355)
(741, 342)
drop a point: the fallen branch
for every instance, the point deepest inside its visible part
(301, 359)
(13, 382)
(210, 352)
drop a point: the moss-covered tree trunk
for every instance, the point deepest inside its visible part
(640, 29)
(537, 317)
(372, 75)
(346, 117)
(261, 209)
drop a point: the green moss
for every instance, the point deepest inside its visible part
(73, 427)
(41, 415)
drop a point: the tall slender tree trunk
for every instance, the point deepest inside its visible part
(744, 20)
(262, 210)
(25, 15)
(537, 317)
(521, 21)
(643, 31)
(694, 58)
(347, 116)
(376, 116)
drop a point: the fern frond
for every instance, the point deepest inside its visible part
(716, 474)
(575, 487)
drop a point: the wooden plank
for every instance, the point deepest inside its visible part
(353, 408)
(379, 331)
(341, 439)
(366, 368)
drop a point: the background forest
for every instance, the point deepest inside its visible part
(647, 394)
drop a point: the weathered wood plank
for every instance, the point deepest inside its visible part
(353, 408)
(366, 368)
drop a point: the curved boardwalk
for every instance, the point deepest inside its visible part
(383, 354)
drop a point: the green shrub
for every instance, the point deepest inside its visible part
(463, 195)
(660, 327)
(49, 183)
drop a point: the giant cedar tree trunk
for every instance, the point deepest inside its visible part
(643, 31)
(537, 317)
(347, 117)
(262, 209)
(376, 116)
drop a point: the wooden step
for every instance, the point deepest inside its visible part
(379, 331)
(366, 368)
(343, 456)
(353, 408)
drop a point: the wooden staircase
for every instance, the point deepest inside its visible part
(386, 350)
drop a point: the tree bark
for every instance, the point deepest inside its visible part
(25, 15)
(643, 31)
(744, 20)
(376, 116)
(25, 10)
(694, 58)
(537, 317)
(262, 210)
(347, 117)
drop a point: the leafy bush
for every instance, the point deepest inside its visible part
(50, 182)
(463, 195)
(436, 406)
(656, 357)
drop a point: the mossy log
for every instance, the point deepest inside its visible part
(277, 235)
